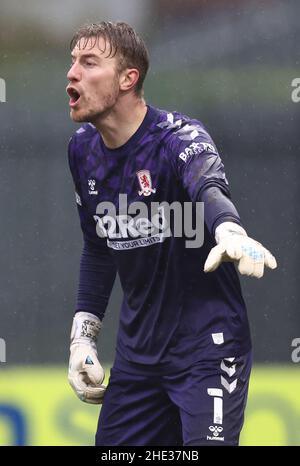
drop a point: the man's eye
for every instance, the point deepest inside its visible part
(89, 63)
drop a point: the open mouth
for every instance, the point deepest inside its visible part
(74, 96)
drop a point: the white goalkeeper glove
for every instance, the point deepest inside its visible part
(85, 371)
(233, 244)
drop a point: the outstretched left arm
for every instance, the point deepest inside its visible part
(201, 171)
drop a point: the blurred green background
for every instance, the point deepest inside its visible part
(230, 64)
(39, 408)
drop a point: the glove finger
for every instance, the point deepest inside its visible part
(77, 385)
(95, 393)
(78, 382)
(94, 371)
(246, 265)
(234, 250)
(270, 260)
(258, 269)
(252, 265)
(214, 258)
(86, 392)
(94, 401)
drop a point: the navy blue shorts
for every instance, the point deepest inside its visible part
(201, 405)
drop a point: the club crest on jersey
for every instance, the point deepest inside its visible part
(145, 182)
(92, 184)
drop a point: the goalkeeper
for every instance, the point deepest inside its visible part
(183, 353)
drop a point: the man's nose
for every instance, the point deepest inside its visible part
(74, 73)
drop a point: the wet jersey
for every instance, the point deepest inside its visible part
(173, 314)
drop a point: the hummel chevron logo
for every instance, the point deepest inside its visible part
(185, 131)
(230, 387)
(229, 370)
(169, 124)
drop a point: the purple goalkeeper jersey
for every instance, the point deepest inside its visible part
(173, 314)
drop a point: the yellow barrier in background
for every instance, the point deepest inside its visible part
(37, 407)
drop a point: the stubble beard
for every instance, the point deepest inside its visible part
(94, 115)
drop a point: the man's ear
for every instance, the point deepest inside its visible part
(128, 79)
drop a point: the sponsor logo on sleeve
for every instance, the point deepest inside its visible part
(196, 148)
